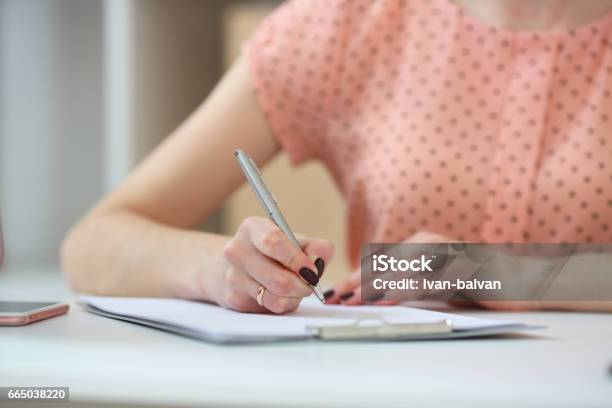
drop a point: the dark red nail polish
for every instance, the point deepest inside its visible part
(346, 296)
(376, 297)
(320, 264)
(328, 294)
(309, 276)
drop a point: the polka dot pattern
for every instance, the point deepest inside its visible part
(431, 120)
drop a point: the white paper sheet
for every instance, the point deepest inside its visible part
(216, 322)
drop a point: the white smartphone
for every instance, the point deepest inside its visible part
(22, 313)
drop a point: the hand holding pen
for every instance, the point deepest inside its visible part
(270, 268)
(260, 255)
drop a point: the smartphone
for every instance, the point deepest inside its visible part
(22, 313)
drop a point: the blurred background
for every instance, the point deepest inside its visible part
(89, 87)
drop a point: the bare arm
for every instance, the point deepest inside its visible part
(587, 282)
(138, 241)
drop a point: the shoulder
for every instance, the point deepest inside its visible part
(307, 55)
(322, 19)
(317, 33)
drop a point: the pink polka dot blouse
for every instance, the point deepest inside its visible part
(429, 119)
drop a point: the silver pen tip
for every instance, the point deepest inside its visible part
(318, 293)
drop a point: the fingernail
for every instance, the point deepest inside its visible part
(346, 296)
(376, 297)
(309, 276)
(320, 264)
(328, 293)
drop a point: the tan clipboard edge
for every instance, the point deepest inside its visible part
(382, 330)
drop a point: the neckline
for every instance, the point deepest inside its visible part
(594, 27)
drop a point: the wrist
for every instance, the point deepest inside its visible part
(202, 276)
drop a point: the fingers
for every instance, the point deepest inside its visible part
(345, 289)
(273, 243)
(236, 295)
(275, 304)
(353, 300)
(272, 275)
(349, 292)
(356, 297)
(320, 251)
(512, 306)
(260, 254)
(241, 295)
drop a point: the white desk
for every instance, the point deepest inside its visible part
(109, 361)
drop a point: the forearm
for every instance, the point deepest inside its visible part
(580, 283)
(117, 252)
(585, 280)
(583, 284)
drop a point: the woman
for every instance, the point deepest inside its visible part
(467, 120)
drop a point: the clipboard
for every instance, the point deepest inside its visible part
(208, 323)
(384, 331)
(363, 329)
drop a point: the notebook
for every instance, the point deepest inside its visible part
(312, 320)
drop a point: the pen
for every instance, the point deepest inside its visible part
(265, 197)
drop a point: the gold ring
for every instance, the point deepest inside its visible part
(260, 295)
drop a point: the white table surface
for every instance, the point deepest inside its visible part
(108, 361)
